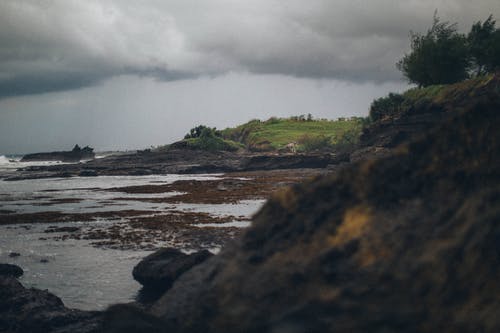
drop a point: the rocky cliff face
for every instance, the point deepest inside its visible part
(409, 242)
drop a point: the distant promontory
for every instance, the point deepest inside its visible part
(74, 155)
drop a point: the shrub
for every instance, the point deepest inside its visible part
(484, 46)
(441, 56)
(209, 143)
(314, 143)
(202, 130)
(386, 106)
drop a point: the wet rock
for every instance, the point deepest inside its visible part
(38, 311)
(159, 270)
(88, 173)
(180, 161)
(61, 229)
(11, 270)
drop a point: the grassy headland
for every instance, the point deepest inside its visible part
(306, 134)
(297, 134)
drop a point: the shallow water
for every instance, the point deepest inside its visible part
(82, 275)
(38, 195)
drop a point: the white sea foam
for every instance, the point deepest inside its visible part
(4, 160)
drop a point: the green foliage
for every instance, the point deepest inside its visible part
(349, 138)
(206, 138)
(276, 133)
(444, 56)
(310, 143)
(208, 143)
(386, 106)
(202, 131)
(441, 56)
(484, 46)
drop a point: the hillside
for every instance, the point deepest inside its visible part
(277, 133)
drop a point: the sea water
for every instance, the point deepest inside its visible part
(82, 275)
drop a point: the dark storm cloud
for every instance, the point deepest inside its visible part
(52, 45)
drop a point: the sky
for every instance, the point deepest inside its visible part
(119, 74)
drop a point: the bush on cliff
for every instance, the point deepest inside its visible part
(484, 46)
(386, 106)
(443, 55)
(202, 131)
(438, 57)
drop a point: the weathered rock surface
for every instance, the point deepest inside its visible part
(160, 269)
(11, 270)
(33, 311)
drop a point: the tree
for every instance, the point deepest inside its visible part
(202, 131)
(484, 46)
(386, 106)
(439, 57)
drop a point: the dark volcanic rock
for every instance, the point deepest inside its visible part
(61, 229)
(88, 173)
(159, 270)
(11, 270)
(75, 155)
(181, 162)
(404, 243)
(33, 311)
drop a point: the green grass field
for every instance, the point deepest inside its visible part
(276, 133)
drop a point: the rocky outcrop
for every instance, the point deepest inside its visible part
(11, 270)
(180, 162)
(33, 310)
(159, 270)
(404, 243)
(75, 155)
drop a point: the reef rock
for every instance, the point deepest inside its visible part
(159, 270)
(75, 155)
(33, 310)
(11, 270)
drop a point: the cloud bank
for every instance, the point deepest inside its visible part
(57, 45)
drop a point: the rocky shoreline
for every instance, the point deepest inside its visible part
(145, 229)
(404, 237)
(178, 162)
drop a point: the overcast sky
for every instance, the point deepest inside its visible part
(131, 74)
